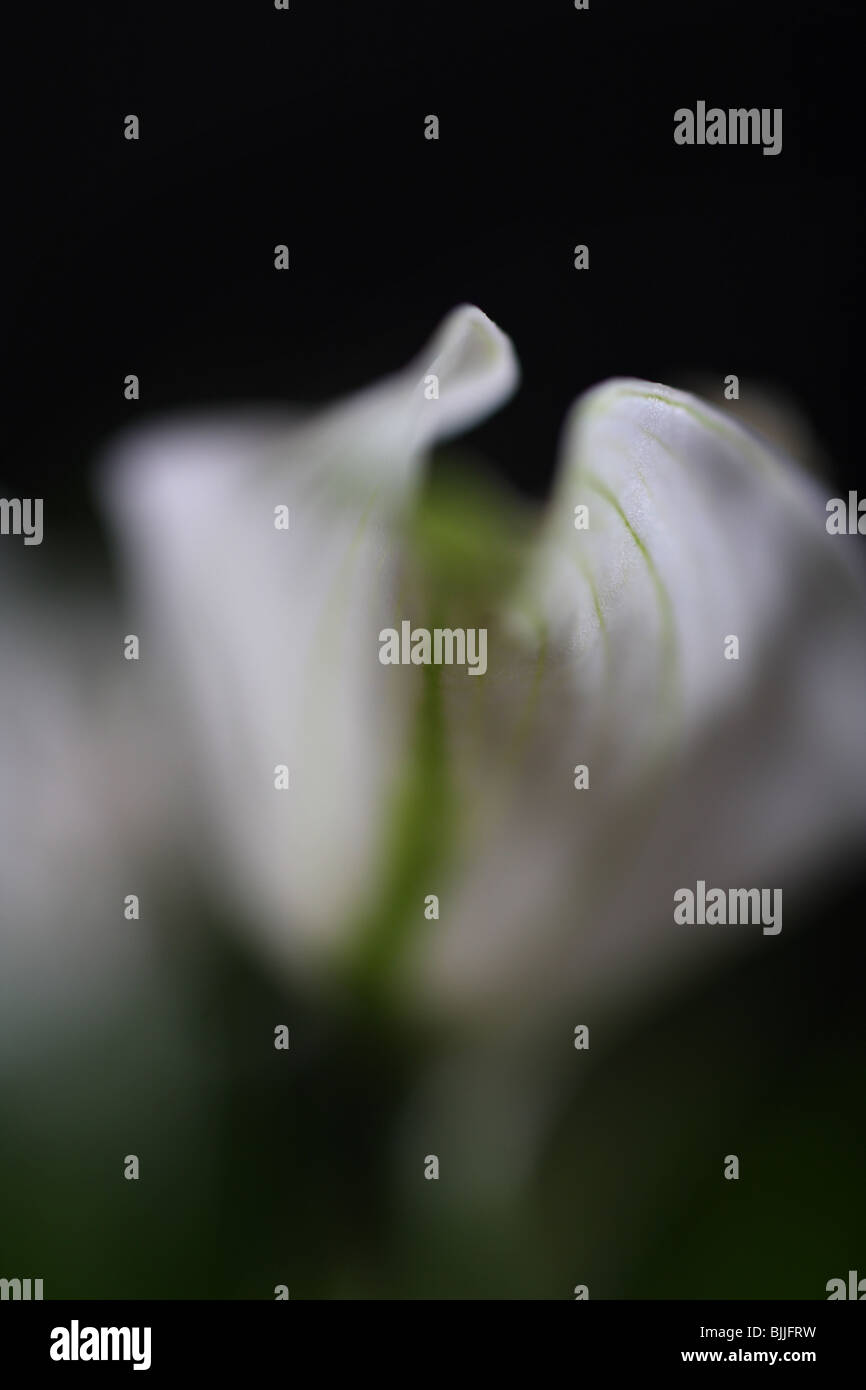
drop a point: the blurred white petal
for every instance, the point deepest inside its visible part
(269, 639)
(83, 814)
(744, 773)
(767, 410)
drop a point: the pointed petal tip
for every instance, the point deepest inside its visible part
(476, 367)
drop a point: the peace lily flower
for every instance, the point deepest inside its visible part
(606, 650)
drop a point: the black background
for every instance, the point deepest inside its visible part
(306, 127)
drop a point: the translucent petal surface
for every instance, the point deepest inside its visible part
(741, 772)
(266, 640)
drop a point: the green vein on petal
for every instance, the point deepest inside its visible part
(737, 437)
(668, 654)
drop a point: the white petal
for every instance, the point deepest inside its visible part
(745, 773)
(274, 636)
(82, 812)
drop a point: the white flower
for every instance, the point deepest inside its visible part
(83, 818)
(608, 650)
(272, 636)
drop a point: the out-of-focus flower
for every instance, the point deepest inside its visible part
(83, 819)
(606, 649)
(271, 637)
